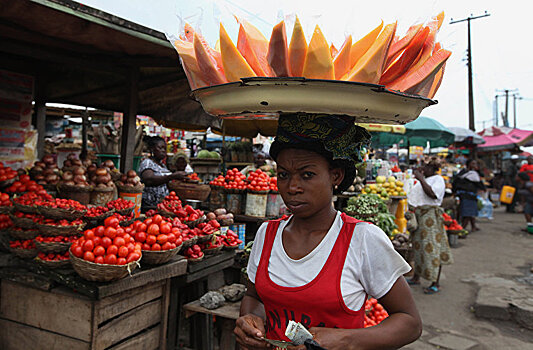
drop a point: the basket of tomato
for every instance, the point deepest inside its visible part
(22, 234)
(96, 215)
(55, 245)
(24, 220)
(53, 260)
(7, 176)
(27, 203)
(5, 203)
(121, 206)
(52, 228)
(24, 249)
(105, 253)
(60, 208)
(194, 254)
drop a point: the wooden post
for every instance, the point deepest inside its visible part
(40, 116)
(129, 122)
(84, 126)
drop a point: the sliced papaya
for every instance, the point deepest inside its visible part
(318, 63)
(436, 82)
(333, 50)
(190, 65)
(429, 44)
(440, 19)
(402, 64)
(361, 47)
(278, 52)
(253, 46)
(415, 79)
(437, 47)
(189, 32)
(207, 64)
(397, 47)
(341, 62)
(235, 66)
(371, 66)
(297, 50)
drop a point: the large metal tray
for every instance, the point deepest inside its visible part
(268, 97)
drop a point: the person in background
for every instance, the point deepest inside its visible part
(259, 161)
(510, 180)
(526, 194)
(154, 173)
(528, 168)
(180, 162)
(467, 184)
(430, 242)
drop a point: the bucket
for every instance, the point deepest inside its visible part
(507, 194)
(217, 198)
(274, 202)
(452, 239)
(135, 198)
(256, 204)
(234, 203)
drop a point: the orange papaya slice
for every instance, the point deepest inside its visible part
(371, 66)
(190, 65)
(341, 62)
(429, 44)
(207, 64)
(235, 66)
(361, 47)
(318, 63)
(436, 82)
(278, 52)
(437, 47)
(333, 50)
(253, 46)
(189, 32)
(439, 19)
(402, 64)
(397, 47)
(414, 80)
(297, 50)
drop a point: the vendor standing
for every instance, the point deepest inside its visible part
(430, 242)
(180, 162)
(154, 173)
(318, 266)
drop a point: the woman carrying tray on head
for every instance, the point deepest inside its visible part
(430, 242)
(318, 266)
(180, 162)
(154, 173)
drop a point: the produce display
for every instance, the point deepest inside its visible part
(72, 161)
(386, 222)
(156, 234)
(97, 211)
(100, 178)
(194, 253)
(171, 204)
(357, 185)
(32, 199)
(41, 220)
(193, 177)
(120, 204)
(413, 63)
(59, 203)
(401, 240)
(130, 179)
(221, 216)
(25, 184)
(5, 222)
(258, 181)
(56, 239)
(371, 208)
(386, 188)
(5, 200)
(46, 171)
(374, 313)
(54, 256)
(230, 239)
(75, 177)
(205, 154)
(22, 244)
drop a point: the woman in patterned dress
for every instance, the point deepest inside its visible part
(430, 243)
(154, 173)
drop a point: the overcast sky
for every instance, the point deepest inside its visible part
(502, 50)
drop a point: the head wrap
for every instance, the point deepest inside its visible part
(335, 137)
(179, 154)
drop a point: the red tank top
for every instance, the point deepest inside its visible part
(318, 303)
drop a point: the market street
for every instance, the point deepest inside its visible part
(500, 249)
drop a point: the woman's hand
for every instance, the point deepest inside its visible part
(247, 329)
(418, 175)
(178, 175)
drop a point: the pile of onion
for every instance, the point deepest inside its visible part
(72, 160)
(130, 179)
(76, 177)
(100, 178)
(45, 171)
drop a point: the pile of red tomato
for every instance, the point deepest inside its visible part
(194, 252)
(25, 184)
(374, 313)
(22, 244)
(258, 181)
(108, 244)
(34, 198)
(156, 234)
(5, 222)
(230, 239)
(39, 219)
(93, 212)
(6, 173)
(274, 184)
(120, 203)
(235, 180)
(5, 201)
(218, 181)
(56, 239)
(61, 203)
(54, 257)
(193, 176)
(172, 204)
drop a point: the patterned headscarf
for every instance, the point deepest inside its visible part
(336, 138)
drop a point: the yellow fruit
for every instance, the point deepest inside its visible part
(373, 187)
(380, 179)
(392, 179)
(386, 184)
(395, 193)
(399, 183)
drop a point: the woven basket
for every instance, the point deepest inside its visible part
(54, 264)
(454, 232)
(126, 212)
(102, 196)
(7, 183)
(128, 222)
(23, 234)
(159, 257)
(190, 242)
(96, 220)
(190, 190)
(24, 253)
(193, 224)
(213, 251)
(77, 193)
(101, 272)
(192, 261)
(205, 238)
(54, 230)
(52, 247)
(4, 209)
(30, 209)
(166, 213)
(226, 247)
(22, 222)
(130, 189)
(60, 213)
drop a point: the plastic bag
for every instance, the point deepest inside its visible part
(486, 208)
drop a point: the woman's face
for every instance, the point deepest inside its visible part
(306, 181)
(160, 150)
(473, 165)
(181, 164)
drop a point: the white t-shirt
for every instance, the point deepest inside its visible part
(417, 197)
(372, 266)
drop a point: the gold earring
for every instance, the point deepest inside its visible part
(336, 187)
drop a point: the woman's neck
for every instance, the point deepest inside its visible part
(321, 221)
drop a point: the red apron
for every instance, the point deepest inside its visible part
(318, 303)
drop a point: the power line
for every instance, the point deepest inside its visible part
(471, 123)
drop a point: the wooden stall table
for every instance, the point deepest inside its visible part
(57, 309)
(226, 315)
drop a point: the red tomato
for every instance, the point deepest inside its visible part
(131, 247)
(162, 239)
(153, 229)
(151, 239)
(99, 231)
(77, 251)
(99, 259)
(120, 232)
(89, 234)
(148, 222)
(165, 228)
(88, 246)
(111, 222)
(146, 247)
(123, 252)
(133, 257)
(121, 261)
(97, 241)
(119, 241)
(112, 250)
(110, 232)
(140, 237)
(127, 237)
(110, 259)
(89, 256)
(106, 242)
(99, 251)
(166, 246)
(156, 219)
(171, 238)
(156, 247)
(142, 227)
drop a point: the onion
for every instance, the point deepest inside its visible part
(48, 159)
(110, 184)
(107, 178)
(51, 178)
(79, 178)
(79, 171)
(67, 163)
(101, 179)
(48, 171)
(70, 183)
(136, 179)
(37, 169)
(109, 164)
(67, 176)
(76, 162)
(123, 178)
(39, 177)
(131, 173)
(120, 183)
(40, 164)
(101, 172)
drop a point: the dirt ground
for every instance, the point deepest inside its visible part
(501, 249)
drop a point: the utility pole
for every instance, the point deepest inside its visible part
(496, 110)
(515, 97)
(471, 123)
(505, 116)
